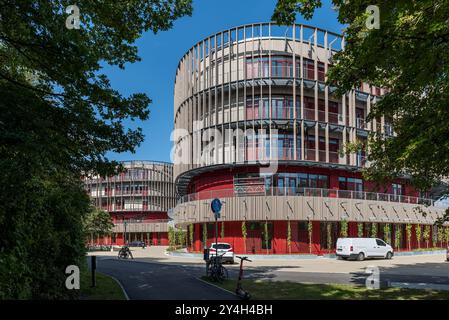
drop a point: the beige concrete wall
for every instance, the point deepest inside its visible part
(306, 208)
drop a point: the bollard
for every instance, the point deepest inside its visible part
(93, 267)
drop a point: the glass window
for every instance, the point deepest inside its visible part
(352, 184)
(397, 189)
(380, 243)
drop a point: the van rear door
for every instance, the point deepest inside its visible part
(343, 246)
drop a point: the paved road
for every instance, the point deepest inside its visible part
(154, 275)
(151, 281)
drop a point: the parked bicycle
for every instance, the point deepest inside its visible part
(239, 290)
(125, 253)
(215, 270)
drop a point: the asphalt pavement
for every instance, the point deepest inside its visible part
(154, 281)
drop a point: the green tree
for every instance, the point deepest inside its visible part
(408, 55)
(446, 235)
(59, 117)
(180, 238)
(171, 237)
(97, 223)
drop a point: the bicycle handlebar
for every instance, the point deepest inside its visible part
(243, 258)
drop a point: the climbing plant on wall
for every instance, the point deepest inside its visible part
(446, 235)
(171, 237)
(440, 235)
(426, 235)
(360, 230)
(344, 228)
(265, 234)
(244, 234)
(397, 237)
(418, 232)
(309, 229)
(329, 235)
(408, 231)
(374, 230)
(387, 231)
(191, 234)
(205, 234)
(289, 237)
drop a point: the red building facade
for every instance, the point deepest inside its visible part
(137, 200)
(257, 126)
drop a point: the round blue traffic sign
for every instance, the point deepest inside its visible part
(215, 205)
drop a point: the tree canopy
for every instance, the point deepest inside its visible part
(97, 223)
(408, 54)
(59, 116)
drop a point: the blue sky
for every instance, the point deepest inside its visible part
(160, 54)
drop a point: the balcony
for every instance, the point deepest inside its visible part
(360, 123)
(309, 192)
(156, 226)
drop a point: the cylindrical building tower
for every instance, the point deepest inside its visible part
(138, 201)
(257, 126)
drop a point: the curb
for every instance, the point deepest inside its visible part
(119, 283)
(419, 253)
(214, 285)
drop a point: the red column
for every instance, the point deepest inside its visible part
(352, 229)
(280, 237)
(316, 247)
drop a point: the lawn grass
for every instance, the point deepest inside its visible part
(285, 290)
(106, 288)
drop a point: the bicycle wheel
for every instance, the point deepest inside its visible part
(223, 273)
(215, 274)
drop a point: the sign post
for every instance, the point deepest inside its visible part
(93, 267)
(216, 209)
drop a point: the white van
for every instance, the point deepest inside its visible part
(361, 248)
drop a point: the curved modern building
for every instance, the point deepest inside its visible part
(257, 127)
(138, 201)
